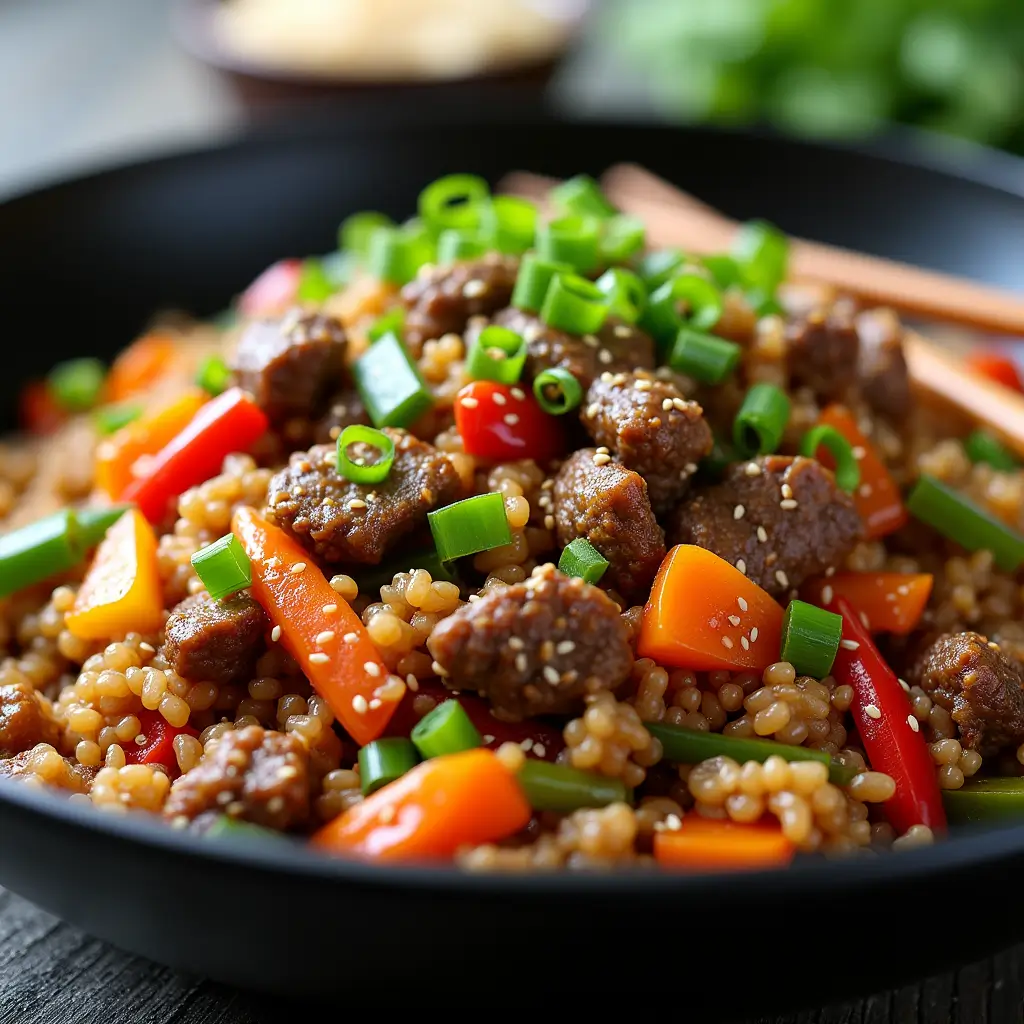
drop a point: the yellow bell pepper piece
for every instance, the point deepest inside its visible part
(121, 592)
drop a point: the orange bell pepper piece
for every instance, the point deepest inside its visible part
(892, 602)
(319, 629)
(121, 592)
(995, 366)
(703, 613)
(117, 454)
(442, 804)
(710, 844)
(141, 364)
(877, 498)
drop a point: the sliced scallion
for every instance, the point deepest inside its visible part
(460, 244)
(396, 254)
(847, 470)
(626, 293)
(571, 239)
(391, 322)
(574, 304)
(111, 418)
(496, 354)
(356, 231)
(622, 237)
(557, 391)
(446, 729)
(223, 566)
(470, 526)
(213, 375)
(581, 195)
(719, 459)
(359, 471)
(725, 270)
(810, 638)
(761, 421)
(76, 385)
(314, 284)
(508, 224)
(383, 761)
(557, 787)
(981, 446)
(655, 268)
(533, 280)
(394, 393)
(762, 252)
(453, 201)
(580, 558)
(703, 357)
(662, 317)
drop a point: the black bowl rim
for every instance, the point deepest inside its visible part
(909, 148)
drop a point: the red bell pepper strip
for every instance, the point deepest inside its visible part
(499, 421)
(158, 747)
(273, 291)
(995, 366)
(231, 422)
(882, 714)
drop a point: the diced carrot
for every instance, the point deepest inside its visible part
(442, 804)
(707, 844)
(319, 629)
(38, 411)
(892, 602)
(877, 498)
(140, 365)
(121, 592)
(117, 454)
(703, 613)
(995, 366)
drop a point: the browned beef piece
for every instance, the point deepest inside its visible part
(76, 778)
(345, 409)
(607, 503)
(253, 774)
(292, 367)
(215, 641)
(779, 519)
(442, 300)
(341, 521)
(618, 347)
(882, 367)
(651, 428)
(821, 352)
(979, 685)
(24, 721)
(535, 648)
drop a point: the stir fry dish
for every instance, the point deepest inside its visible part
(495, 539)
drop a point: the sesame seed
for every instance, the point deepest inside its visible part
(742, 602)
(741, 565)
(593, 409)
(591, 340)
(903, 589)
(622, 331)
(350, 638)
(787, 491)
(752, 469)
(473, 289)
(871, 711)
(518, 394)
(499, 398)
(375, 703)
(275, 634)
(601, 460)
(913, 723)
(438, 669)
(148, 648)
(865, 490)
(859, 451)
(549, 522)
(515, 643)
(140, 740)
(734, 620)
(357, 503)
(359, 705)
(565, 647)
(904, 684)
(325, 637)
(487, 738)
(680, 404)
(727, 643)
(782, 578)
(521, 663)
(864, 620)
(850, 645)
(762, 535)
(606, 377)
(539, 749)
(551, 675)
(605, 357)
(744, 643)
(642, 384)
(666, 404)
(469, 402)
(827, 593)
(830, 571)
(603, 450)
(511, 419)
(371, 668)
(298, 567)
(753, 635)
(787, 503)
(329, 609)
(318, 659)
(738, 512)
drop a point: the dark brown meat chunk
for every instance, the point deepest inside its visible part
(293, 366)
(617, 348)
(253, 774)
(807, 523)
(608, 504)
(345, 409)
(535, 648)
(979, 685)
(881, 366)
(341, 521)
(442, 300)
(821, 352)
(75, 777)
(24, 721)
(215, 641)
(651, 428)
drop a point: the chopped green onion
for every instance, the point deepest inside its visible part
(508, 224)
(557, 787)
(533, 280)
(580, 558)
(959, 519)
(111, 418)
(389, 323)
(657, 267)
(626, 293)
(581, 195)
(704, 357)
(340, 268)
(981, 801)
(314, 284)
(496, 354)
(470, 526)
(574, 304)
(847, 469)
(691, 746)
(570, 239)
(762, 252)
(724, 270)
(396, 254)
(445, 730)
(557, 391)
(810, 638)
(76, 385)
(225, 827)
(621, 238)
(763, 305)
(453, 202)
(356, 231)
(390, 386)
(719, 459)
(383, 761)
(223, 566)
(981, 446)
(213, 375)
(662, 318)
(93, 523)
(361, 472)
(761, 421)
(459, 244)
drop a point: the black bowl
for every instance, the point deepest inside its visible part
(86, 262)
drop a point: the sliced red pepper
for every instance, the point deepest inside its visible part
(499, 421)
(882, 714)
(158, 747)
(231, 422)
(38, 411)
(995, 366)
(273, 291)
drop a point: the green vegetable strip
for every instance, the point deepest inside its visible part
(985, 800)
(396, 254)
(959, 519)
(574, 304)
(557, 391)
(459, 244)
(385, 760)
(213, 375)
(391, 322)
(662, 318)
(533, 280)
(365, 472)
(581, 195)
(557, 787)
(76, 385)
(223, 827)
(453, 202)
(356, 231)
(626, 293)
(570, 239)
(704, 357)
(496, 354)
(655, 268)
(92, 523)
(981, 446)
(724, 269)
(508, 224)
(761, 421)
(394, 393)
(111, 418)
(810, 638)
(622, 236)
(445, 730)
(762, 252)
(470, 526)
(223, 566)
(314, 284)
(580, 558)
(847, 468)
(689, 746)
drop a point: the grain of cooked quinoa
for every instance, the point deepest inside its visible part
(386, 577)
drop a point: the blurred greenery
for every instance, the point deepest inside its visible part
(834, 68)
